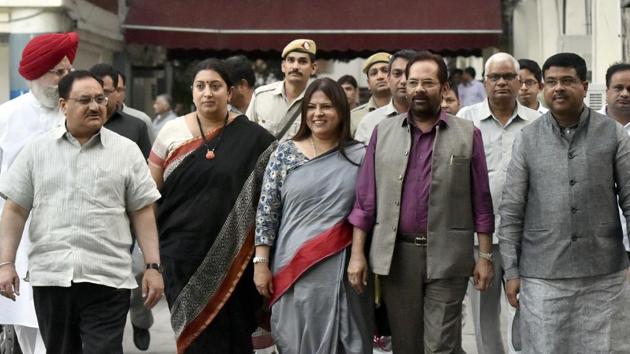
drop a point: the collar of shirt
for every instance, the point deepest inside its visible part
(442, 120)
(102, 137)
(484, 111)
(279, 90)
(389, 110)
(583, 120)
(371, 104)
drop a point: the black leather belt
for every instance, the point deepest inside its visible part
(419, 240)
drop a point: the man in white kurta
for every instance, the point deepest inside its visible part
(45, 60)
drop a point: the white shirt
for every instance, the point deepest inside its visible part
(624, 225)
(497, 144)
(22, 119)
(79, 197)
(371, 120)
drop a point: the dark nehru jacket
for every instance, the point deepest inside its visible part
(131, 128)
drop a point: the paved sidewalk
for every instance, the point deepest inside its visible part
(163, 339)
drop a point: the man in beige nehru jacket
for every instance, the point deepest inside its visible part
(276, 106)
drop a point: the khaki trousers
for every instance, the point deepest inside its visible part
(424, 314)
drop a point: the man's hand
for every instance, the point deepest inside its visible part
(483, 274)
(263, 279)
(512, 288)
(357, 272)
(9, 282)
(152, 287)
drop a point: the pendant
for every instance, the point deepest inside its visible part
(209, 154)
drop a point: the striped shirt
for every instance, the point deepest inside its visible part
(79, 197)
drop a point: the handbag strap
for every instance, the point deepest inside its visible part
(294, 112)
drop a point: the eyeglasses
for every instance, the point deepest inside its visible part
(61, 72)
(566, 81)
(496, 77)
(86, 100)
(428, 84)
(529, 83)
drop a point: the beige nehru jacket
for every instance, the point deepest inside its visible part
(79, 197)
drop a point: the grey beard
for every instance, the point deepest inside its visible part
(48, 96)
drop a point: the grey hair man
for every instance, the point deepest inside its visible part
(163, 107)
(500, 117)
(560, 233)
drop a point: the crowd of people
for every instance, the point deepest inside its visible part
(332, 224)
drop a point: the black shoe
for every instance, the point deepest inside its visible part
(141, 338)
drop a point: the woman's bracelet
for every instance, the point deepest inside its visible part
(2, 264)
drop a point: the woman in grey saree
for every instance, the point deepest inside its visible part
(301, 222)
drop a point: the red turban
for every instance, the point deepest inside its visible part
(44, 52)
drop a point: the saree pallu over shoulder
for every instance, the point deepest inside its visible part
(215, 219)
(320, 247)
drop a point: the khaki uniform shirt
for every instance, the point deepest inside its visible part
(357, 114)
(269, 108)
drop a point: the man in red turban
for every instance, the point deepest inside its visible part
(45, 60)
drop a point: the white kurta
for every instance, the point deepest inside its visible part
(22, 119)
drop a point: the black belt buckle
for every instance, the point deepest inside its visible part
(420, 241)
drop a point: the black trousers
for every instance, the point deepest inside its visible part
(84, 318)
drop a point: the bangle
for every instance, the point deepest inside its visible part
(5, 263)
(257, 260)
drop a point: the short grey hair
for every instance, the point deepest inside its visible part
(166, 97)
(499, 57)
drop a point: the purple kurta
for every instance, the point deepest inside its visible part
(416, 187)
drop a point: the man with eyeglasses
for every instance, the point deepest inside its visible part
(560, 234)
(422, 193)
(81, 184)
(531, 85)
(500, 117)
(276, 106)
(117, 121)
(45, 60)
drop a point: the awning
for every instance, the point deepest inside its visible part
(335, 25)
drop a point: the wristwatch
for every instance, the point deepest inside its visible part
(486, 256)
(257, 260)
(156, 266)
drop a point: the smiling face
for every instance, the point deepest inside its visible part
(84, 119)
(298, 67)
(322, 117)
(210, 93)
(564, 92)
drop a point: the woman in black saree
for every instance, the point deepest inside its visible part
(209, 165)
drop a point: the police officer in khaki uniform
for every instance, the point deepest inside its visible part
(276, 106)
(376, 67)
